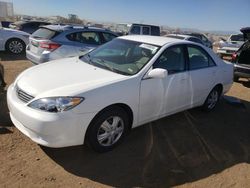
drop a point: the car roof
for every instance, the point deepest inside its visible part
(145, 24)
(31, 21)
(155, 40)
(62, 27)
(181, 35)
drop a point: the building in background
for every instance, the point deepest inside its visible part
(6, 9)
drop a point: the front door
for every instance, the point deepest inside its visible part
(162, 96)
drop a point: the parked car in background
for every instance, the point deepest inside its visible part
(143, 29)
(6, 23)
(98, 97)
(202, 37)
(231, 45)
(58, 41)
(13, 41)
(186, 37)
(137, 29)
(241, 58)
(27, 26)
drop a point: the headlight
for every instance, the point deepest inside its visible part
(56, 104)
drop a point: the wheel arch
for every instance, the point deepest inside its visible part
(124, 106)
(220, 87)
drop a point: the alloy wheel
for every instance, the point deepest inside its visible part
(212, 99)
(110, 131)
(16, 46)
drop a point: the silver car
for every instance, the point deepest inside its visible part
(13, 41)
(59, 41)
(186, 37)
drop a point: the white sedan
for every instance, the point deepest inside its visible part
(97, 98)
(13, 41)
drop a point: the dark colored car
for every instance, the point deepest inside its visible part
(241, 58)
(143, 29)
(27, 26)
(202, 37)
(6, 23)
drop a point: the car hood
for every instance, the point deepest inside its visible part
(246, 32)
(15, 31)
(63, 77)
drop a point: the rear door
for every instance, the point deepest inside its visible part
(79, 43)
(203, 71)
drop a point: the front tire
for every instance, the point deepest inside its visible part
(212, 100)
(15, 46)
(108, 129)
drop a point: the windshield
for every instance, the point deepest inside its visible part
(122, 56)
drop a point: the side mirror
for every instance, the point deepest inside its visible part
(157, 73)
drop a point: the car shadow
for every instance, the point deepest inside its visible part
(244, 82)
(174, 150)
(6, 56)
(4, 111)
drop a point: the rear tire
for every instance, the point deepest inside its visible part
(212, 99)
(108, 129)
(15, 46)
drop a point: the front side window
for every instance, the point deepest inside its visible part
(121, 56)
(198, 58)
(108, 37)
(84, 37)
(204, 39)
(195, 40)
(172, 59)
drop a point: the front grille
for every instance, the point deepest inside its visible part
(23, 96)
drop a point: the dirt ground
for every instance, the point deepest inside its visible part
(189, 149)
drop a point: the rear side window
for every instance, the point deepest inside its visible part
(198, 58)
(155, 31)
(44, 33)
(85, 37)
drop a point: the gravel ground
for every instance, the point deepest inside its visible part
(189, 149)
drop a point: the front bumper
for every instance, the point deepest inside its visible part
(48, 129)
(226, 52)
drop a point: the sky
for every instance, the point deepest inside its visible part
(216, 15)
